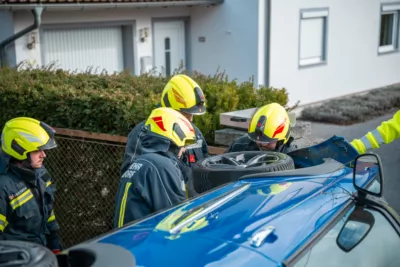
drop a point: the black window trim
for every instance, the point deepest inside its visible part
(381, 208)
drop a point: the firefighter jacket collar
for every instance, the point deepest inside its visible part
(4, 160)
(153, 144)
(181, 165)
(26, 175)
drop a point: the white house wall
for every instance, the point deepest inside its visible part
(6, 30)
(141, 17)
(230, 32)
(231, 42)
(353, 63)
(22, 20)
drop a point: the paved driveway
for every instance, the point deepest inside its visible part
(390, 154)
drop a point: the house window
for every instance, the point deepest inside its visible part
(389, 28)
(313, 36)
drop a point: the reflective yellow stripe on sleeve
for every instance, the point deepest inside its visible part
(390, 129)
(52, 217)
(3, 222)
(375, 139)
(123, 206)
(22, 199)
(371, 140)
(358, 145)
(385, 133)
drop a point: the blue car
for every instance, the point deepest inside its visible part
(329, 212)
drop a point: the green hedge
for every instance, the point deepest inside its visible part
(115, 103)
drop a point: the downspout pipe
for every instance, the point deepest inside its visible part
(261, 43)
(37, 14)
(264, 21)
(268, 22)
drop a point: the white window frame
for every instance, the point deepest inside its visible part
(392, 8)
(311, 14)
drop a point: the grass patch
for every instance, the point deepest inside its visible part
(355, 109)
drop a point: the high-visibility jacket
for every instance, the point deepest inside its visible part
(27, 205)
(385, 133)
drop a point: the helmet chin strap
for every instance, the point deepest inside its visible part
(174, 149)
(27, 164)
(279, 146)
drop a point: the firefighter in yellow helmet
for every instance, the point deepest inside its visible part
(385, 133)
(184, 95)
(27, 195)
(269, 130)
(155, 180)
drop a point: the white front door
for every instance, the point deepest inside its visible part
(169, 46)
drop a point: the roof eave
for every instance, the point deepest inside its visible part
(109, 5)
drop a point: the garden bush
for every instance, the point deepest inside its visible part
(115, 103)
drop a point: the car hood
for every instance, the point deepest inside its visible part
(154, 248)
(217, 229)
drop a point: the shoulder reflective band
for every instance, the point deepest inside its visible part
(3, 222)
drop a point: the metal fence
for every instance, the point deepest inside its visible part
(86, 171)
(86, 174)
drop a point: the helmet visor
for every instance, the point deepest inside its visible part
(261, 138)
(198, 109)
(50, 131)
(49, 145)
(182, 136)
(192, 144)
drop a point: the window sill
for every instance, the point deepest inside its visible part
(316, 61)
(387, 49)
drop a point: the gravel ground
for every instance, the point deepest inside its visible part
(355, 109)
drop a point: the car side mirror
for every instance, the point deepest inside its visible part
(355, 229)
(365, 166)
